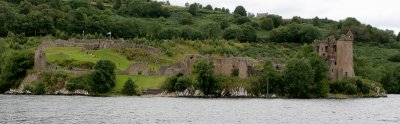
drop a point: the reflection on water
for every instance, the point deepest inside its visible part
(81, 109)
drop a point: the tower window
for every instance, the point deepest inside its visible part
(326, 48)
(346, 74)
(335, 63)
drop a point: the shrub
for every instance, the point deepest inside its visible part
(207, 82)
(40, 88)
(299, 77)
(176, 83)
(82, 82)
(350, 88)
(129, 88)
(363, 87)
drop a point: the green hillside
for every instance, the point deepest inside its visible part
(176, 31)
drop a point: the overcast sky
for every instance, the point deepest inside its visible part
(384, 14)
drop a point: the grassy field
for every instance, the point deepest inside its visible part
(74, 53)
(143, 82)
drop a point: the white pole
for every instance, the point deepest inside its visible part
(83, 35)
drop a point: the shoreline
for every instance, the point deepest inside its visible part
(209, 97)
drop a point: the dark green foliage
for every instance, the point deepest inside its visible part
(211, 30)
(395, 58)
(176, 83)
(100, 4)
(143, 8)
(242, 19)
(350, 86)
(267, 24)
(240, 10)
(185, 18)
(82, 82)
(224, 24)
(40, 89)
(117, 4)
(209, 7)
(206, 81)
(169, 33)
(316, 21)
(320, 68)
(129, 88)
(103, 76)
(271, 80)
(298, 33)
(398, 37)
(276, 19)
(14, 68)
(298, 76)
(363, 87)
(194, 9)
(232, 33)
(297, 19)
(248, 34)
(391, 80)
(189, 33)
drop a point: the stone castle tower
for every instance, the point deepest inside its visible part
(338, 54)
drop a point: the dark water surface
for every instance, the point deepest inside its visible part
(82, 109)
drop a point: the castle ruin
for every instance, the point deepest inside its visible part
(338, 54)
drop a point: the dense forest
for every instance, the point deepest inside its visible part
(24, 22)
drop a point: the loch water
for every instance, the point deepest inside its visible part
(84, 109)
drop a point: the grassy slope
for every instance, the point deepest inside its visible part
(68, 53)
(143, 82)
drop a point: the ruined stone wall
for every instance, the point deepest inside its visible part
(222, 66)
(172, 69)
(138, 68)
(40, 60)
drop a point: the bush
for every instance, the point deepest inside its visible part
(129, 88)
(14, 68)
(350, 88)
(363, 87)
(176, 83)
(207, 82)
(40, 88)
(394, 58)
(185, 18)
(299, 77)
(83, 82)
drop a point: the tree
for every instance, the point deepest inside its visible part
(232, 33)
(14, 67)
(316, 21)
(248, 34)
(103, 76)
(193, 9)
(267, 24)
(276, 19)
(211, 30)
(297, 19)
(25, 7)
(398, 37)
(186, 19)
(240, 10)
(100, 4)
(320, 68)
(270, 79)
(117, 4)
(242, 19)
(205, 77)
(209, 7)
(129, 88)
(298, 77)
(391, 80)
(224, 24)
